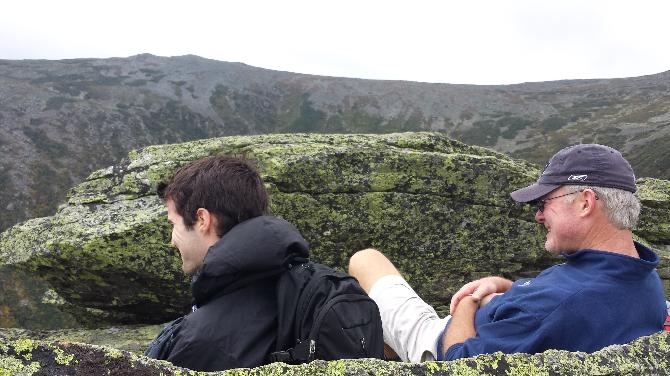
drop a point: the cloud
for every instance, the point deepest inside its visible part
(480, 41)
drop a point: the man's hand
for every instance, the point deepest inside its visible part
(485, 300)
(462, 323)
(479, 289)
(474, 294)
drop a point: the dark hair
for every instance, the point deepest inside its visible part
(227, 186)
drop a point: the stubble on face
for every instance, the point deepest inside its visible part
(187, 241)
(561, 224)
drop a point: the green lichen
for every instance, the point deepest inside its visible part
(463, 369)
(654, 224)
(336, 368)
(134, 339)
(15, 367)
(113, 353)
(526, 369)
(646, 355)
(24, 345)
(62, 358)
(432, 367)
(650, 189)
(51, 297)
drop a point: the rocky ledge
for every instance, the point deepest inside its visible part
(439, 208)
(644, 356)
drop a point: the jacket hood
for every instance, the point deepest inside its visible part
(256, 247)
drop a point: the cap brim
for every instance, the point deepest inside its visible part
(532, 192)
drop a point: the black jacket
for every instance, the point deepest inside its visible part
(235, 324)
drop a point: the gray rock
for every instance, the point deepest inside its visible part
(438, 208)
(644, 356)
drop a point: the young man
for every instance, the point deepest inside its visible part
(606, 292)
(217, 208)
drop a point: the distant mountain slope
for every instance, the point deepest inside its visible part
(61, 120)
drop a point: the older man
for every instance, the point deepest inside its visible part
(606, 292)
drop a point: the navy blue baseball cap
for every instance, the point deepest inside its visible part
(584, 164)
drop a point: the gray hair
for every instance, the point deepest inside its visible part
(622, 207)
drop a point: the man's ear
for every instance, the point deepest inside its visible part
(205, 221)
(588, 201)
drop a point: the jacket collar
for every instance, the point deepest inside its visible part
(257, 247)
(617, 265)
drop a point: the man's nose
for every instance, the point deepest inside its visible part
(539, 216)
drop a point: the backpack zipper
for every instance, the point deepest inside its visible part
(324, 310)
(306, 297)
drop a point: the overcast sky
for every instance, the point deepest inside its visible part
(474, 42)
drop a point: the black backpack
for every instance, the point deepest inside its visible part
(324, 314)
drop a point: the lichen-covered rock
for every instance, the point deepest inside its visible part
(438, 208)
(644, 356)
(31, 357)
(654, 225)
(132, 338)
(28, 302)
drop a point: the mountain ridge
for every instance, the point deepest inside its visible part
(62, 119)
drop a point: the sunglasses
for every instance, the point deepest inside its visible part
(539, 204)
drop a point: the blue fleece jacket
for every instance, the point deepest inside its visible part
(593, 300)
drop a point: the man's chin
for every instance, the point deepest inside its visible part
(552, 249)
(548, 247)
(187, 270)
(558, 251)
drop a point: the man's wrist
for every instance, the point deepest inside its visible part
(462, 323)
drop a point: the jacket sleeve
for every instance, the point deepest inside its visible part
(192, 350)
(511, 329)
(235, 330)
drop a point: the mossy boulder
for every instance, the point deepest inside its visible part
(654, 224)
(644, 356)
(132, 338)
(438, 208)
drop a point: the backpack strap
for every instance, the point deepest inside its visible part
(293, 259)
(303, 352)
(300, 353)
